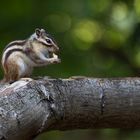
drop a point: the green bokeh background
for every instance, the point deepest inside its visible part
(97, 38)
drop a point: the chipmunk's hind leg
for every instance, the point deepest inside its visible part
(12, 74)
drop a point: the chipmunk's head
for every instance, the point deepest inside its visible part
(41, 37)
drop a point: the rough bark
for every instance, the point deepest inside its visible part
(30, 108)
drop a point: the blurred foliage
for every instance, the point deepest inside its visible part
(97, 38)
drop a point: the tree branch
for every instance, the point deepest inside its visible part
(30, 108)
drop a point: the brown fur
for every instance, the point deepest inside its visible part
(11, 71)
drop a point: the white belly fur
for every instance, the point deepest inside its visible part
(23, 68)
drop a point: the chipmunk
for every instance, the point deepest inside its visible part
(19, 57)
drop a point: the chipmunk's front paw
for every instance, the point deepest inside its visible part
(55, 61)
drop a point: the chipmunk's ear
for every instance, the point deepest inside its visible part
(38, 32)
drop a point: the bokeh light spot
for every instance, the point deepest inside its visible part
(137, 7)
(88, 31)
(114, 39)
(122, 18)
(119, 11)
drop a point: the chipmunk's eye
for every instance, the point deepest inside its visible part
(48, 41)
